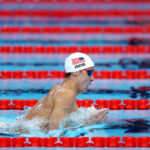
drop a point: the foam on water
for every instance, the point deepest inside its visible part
(81, 115)
(70, 126)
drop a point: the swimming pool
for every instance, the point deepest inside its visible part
(133, 122)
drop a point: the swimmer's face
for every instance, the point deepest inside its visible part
(85, 78)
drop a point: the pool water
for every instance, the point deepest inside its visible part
(135, 123)
(119, 122)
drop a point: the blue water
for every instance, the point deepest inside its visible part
(120, 122)
(49, 61)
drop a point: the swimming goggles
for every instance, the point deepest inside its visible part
(89, 72)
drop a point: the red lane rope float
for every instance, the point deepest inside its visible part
(103, 74)
(16, 104)
(71, 49)
(76, 29)
(126, 141)
(72, 13)
(113, 104)
(73, 1)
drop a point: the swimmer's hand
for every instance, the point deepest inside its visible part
(97, 118)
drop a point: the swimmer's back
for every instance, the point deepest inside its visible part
(44, 107)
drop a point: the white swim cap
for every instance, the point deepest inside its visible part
(78, 61)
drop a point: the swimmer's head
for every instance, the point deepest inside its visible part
(78, 61)
(81, 67)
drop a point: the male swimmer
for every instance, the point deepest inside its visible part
(60, 101)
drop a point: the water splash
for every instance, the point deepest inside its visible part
(70, 126)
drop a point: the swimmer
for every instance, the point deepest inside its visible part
(60, 101)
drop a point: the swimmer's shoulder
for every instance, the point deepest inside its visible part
(53, 89)
(65, 95)
(59, 91)
(52, 92)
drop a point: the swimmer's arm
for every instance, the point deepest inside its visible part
(33, 110)
(97, 118)
(57, 115)
(63, 101)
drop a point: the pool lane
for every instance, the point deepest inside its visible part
(121, 123)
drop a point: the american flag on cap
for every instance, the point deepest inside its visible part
(79, 60)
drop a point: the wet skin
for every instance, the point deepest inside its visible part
(60, 102)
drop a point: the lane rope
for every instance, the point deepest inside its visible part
(117, 141)
(72, 13)
(141, 49)
(103, 74)
(75, 29)
(113, 104)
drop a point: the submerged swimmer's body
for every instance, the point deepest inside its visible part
(60, 101)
